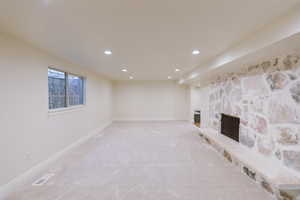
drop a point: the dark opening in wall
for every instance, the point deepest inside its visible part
(230, 126)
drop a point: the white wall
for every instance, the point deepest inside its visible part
(204, 106)
(150, 100)
(195, 99)
(199, 101)
(29, 134)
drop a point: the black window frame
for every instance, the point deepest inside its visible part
(66, 74)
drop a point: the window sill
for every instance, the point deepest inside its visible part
(65, 110)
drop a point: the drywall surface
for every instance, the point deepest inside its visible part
(204, 106)
(150, 100)
(195, 101)
(199, 101)
(29, 133)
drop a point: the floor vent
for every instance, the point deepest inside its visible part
(41, 181)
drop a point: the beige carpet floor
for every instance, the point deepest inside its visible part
(142, 161)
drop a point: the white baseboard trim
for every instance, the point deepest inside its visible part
(10, 186)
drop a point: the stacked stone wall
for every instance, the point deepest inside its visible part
(266, 97)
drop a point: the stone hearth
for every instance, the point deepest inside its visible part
(280, 181)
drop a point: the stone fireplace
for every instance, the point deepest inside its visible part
(266, 98)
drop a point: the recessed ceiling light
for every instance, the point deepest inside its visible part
(107, 52)
(124, 70)
(131, 77)
(196, 52)
(177, 70)
(169, 77)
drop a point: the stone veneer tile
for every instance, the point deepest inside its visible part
(283, 110)
(287, 135)
(290, 61)
(296, 71)
(255, 85)
(292, 159)
(267, 186)
(295, 92)
(246, 138)
(278, 154)
(265, 145)
(228, 88)
(292, 76)
(236, 81)
(237, 110)
(285, 196)
(218, 107)
(277, 80)
(272, 67)
(227, 155)
(249, 173)
(211, 97)
(266, 65)
(255, 69)
(236, 95)
(289, 195)
(259, 104)
(227, 108)
(259, 124)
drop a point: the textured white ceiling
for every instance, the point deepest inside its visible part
(148, 37)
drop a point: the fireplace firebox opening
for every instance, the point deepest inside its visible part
(230, 126)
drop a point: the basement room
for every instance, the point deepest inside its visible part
(150, 100)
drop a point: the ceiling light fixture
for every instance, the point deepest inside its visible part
(196, 52)
(107, 52)
(124, 70)
(177, 70)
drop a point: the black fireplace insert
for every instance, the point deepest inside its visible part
(230, 126)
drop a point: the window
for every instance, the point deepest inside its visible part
(64, 89)
(75, 90)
